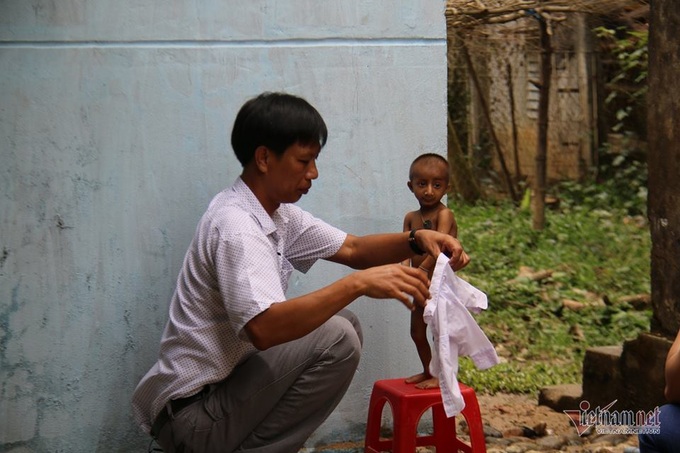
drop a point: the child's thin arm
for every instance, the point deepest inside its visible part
(446, 223)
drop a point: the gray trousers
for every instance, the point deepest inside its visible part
(275, 400)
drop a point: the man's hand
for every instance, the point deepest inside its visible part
(434, 243)
(394, 281)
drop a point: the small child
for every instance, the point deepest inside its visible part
(429, 182)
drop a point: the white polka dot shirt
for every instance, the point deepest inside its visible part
(237, 265)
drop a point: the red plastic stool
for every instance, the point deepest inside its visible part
(408, 406)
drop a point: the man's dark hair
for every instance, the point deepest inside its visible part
(277, 121)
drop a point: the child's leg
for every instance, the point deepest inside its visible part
(419, 337)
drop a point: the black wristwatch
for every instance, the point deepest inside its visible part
(413, 244)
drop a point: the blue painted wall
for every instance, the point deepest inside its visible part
(114, 134)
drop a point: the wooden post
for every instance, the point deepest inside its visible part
(663, 126)
(540, 179)
(587, 136)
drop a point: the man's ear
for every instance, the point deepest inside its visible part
(262, 158)
(410, 186)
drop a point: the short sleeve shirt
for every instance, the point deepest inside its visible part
(237, 265)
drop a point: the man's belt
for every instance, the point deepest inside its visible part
(176, 406)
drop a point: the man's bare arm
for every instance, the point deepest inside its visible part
(295, 318)
(361, 252)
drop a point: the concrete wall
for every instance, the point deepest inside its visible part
(114, 134)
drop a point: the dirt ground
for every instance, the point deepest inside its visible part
(510, 413)
(507, 412)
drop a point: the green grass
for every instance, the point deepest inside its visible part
(596, 244)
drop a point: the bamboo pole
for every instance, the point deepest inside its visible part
(513, 121)
(485, 109)
(461, 174)
(462, 13)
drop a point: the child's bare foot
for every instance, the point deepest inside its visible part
(417, 378)
(431, 383)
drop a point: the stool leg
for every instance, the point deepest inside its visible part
(473, 417)
(405, 432)
(375, 409)
(444, 430)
